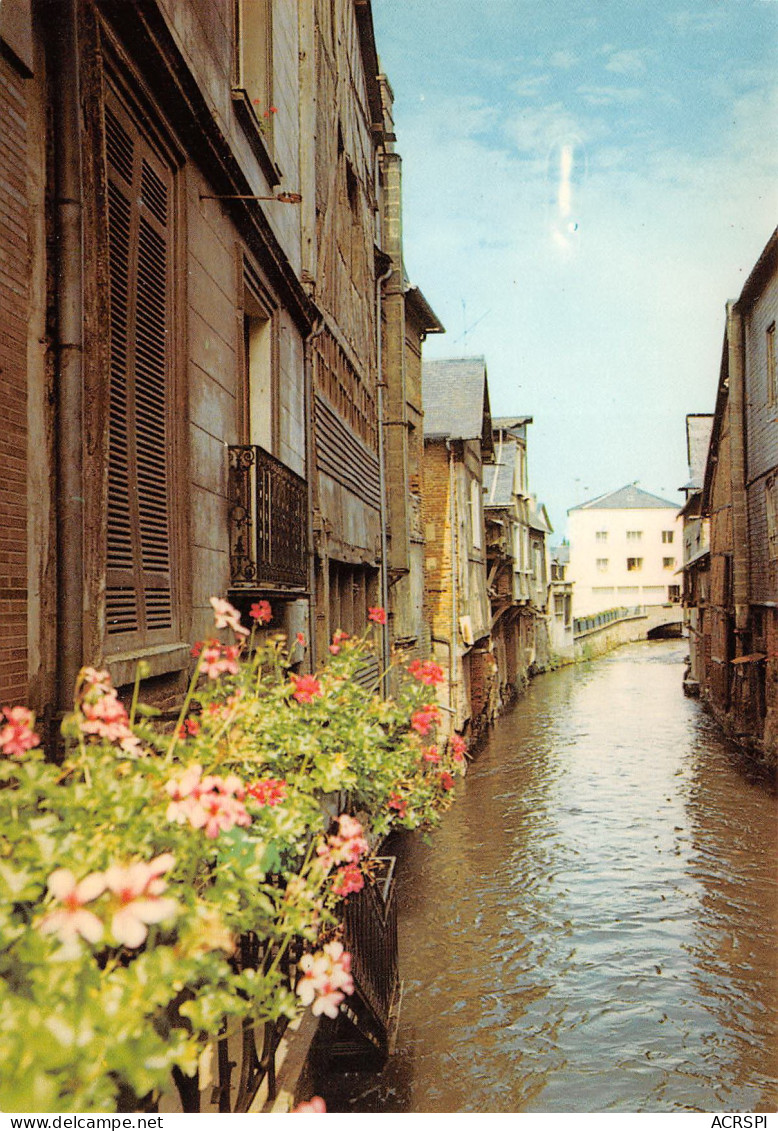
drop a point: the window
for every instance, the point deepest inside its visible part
(668, 563)
(559, 606)
(352, 590)
(260, 392)
(634, 535)
(601, 536)
(667, 536)
(634, 563)
(771, 500)
(674, 593)
(602, 565)
(772, 385)
(140, 587)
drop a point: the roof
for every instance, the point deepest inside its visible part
(561, 553)
(455, 397)
(630, 497)
(505, 423)
(498, 481)
(428, 320)
(538, 517)
(698, 429)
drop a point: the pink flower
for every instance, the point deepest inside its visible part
(334, 648)
(458, 747)
(103, 715)
(347, 879)
(398, 803)
(423, 718)
(269, 791)
(377, 615)
(446, 780)
(17, 736)
(261, 612)
(137, 889)
(431, 754)
(216, 659)
(347, 846)
(100, 680)
(326, 979)
(191, 726)
(71, 921)
(314, 1106)
(428, 672)
(226, 616)
(211, 803)
(306, 688)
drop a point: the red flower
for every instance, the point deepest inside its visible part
(306, 688)
(17, 736)
(314, 1106)
(424, 717)
(300, 639)
(347, 879)
(269, 791)
(398, 803)
(427, 672)
(458, 747)
(377, 615)
(446, 780)
(261, 612)
(431, 754)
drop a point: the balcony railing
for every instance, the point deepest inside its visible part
(268, 522)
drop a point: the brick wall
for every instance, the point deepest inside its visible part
(14, 266)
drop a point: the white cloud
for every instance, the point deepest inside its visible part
(563, 59)
(627, 63)
(610, 95)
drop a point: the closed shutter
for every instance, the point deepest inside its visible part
(139, 582)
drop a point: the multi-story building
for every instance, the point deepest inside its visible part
(739, 679)
(560, 605)
(625, 550)
(696, 544)
(457, 443)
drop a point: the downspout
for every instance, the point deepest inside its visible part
(63, 57)
(310, 468)
(453, 673)
(737, 428)
(385, 652)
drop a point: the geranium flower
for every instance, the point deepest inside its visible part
(269, 791)
(347, 879)
(300, 639)
(428, 672)
(446, 780)
(261, 612)
(398, 803)
(423, 718)
(211, 803)
(216, 659)
(306, 688)
(458, 747)
(226, 616)
(138, 889)
(314, 1106)
(347, 846)
(377, 615)
(431, 754)
(71, 921)
(17, 735)
(326, 979)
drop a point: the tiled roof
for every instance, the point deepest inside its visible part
(698, 430)
(630, 497)
(454, 396)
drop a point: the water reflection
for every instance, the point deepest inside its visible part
(592, 927)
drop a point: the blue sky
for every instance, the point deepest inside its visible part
(586, 183)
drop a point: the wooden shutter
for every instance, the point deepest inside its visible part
(139, 582)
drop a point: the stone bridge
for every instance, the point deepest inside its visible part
(599, 633)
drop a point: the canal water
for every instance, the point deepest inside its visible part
(592, 928)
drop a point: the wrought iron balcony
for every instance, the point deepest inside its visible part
(268, 522)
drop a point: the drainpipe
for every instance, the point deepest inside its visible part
(63, 57)
(310, 475)
(740, 555)
(453, 666)
(386, 657)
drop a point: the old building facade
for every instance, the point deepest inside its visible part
(457, 444)
(696, 545)
(739, 678)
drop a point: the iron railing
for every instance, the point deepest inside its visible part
(370, 935)
(583, 625)
(268, 522)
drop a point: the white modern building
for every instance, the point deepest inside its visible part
(625, 550)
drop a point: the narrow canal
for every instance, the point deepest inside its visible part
(592, 928)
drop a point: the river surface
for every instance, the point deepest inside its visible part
(592, 927)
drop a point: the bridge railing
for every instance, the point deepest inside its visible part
(582, 625)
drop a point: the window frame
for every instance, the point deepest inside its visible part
(258, 128)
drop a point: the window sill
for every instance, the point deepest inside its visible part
(160, 658)
(252, 128)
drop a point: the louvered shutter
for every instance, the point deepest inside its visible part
(139, 583)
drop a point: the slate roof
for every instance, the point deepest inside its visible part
(500, 494)
(505, 423)
(561, 554)
(455, 396)
(698, 430)
(630, 497)
(538, 518)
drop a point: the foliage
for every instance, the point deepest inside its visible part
(129, 873)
